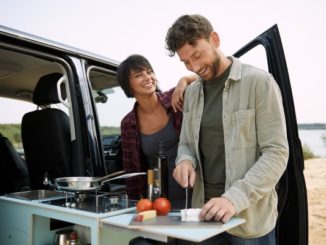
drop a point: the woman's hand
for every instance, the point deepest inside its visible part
(178, 93)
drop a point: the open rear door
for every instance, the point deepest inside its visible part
(292, 226)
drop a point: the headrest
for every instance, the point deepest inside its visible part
(45, 92)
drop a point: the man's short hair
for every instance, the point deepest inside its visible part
(187, 29)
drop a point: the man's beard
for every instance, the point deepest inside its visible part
(214, 68)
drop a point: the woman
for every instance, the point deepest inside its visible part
(153, 118)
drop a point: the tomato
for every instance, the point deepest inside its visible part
(144, 205)
(162, 206)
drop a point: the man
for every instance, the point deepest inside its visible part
(233, 147)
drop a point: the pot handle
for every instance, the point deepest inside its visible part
(124, 176)
(110, 175)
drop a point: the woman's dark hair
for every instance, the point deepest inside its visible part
(187, 29)
(134, 62)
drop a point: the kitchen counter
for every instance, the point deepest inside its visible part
(28, 222)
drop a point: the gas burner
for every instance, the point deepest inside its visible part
(95, 202)
(80, 197)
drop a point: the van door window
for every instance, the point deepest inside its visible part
(111, 106)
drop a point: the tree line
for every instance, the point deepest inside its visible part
(13, 132)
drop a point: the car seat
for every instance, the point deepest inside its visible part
(113, 155)
(46, 134)
(113, 161)
(14, 174)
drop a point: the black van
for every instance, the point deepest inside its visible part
(62, 135)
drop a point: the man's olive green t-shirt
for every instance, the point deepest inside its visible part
(211, 140)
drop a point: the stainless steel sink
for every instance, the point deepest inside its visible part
(37, 195)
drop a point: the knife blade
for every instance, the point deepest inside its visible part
(186, 204)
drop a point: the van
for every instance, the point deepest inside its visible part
(66, 89)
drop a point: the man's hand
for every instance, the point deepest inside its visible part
(218, 209)
(178, 93)
(185, 174)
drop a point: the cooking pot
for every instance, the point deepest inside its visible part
(84, 184)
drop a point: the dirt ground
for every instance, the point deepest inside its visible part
(315, 175)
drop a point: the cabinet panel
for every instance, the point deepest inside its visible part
(12, 236)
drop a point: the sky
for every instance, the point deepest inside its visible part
(116, 29)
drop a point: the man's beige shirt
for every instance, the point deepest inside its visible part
(256, 147)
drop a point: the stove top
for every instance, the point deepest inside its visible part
(99, 202)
